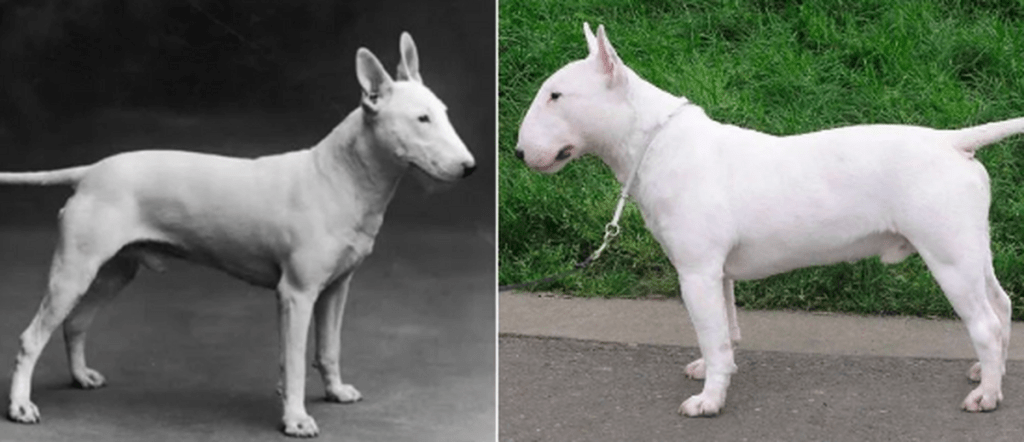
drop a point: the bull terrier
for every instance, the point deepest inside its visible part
(299, 222)
(728, 203)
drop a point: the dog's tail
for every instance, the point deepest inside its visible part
(71, 175)
(971, 139)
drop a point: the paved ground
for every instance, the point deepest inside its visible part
(191, 355)
(665, 321)
(801, 377)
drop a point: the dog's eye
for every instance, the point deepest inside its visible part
(424, 118)
(555, 95)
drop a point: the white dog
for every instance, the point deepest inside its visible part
(728, 203)
(299, 222)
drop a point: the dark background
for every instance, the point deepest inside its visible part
(81, 79)
(191, 354)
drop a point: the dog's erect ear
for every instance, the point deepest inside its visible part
(409, 66)
(374, 80)
(607, 60)
(591, 40)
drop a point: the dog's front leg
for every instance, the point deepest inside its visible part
(706, 302)
(330, 308)
(696, 369)
(295, 310)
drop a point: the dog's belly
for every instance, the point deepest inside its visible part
(259, 272)
(756, 259)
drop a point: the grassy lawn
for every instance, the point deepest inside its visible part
(778, 67)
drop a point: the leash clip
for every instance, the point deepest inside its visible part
(611, 230)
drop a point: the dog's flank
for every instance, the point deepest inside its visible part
(298, 222)
(728, 203)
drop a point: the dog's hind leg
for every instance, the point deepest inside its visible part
(1001, 304)
(78, 258)
(329, 310)
(964, 281)
(112, 277)
(696, 369)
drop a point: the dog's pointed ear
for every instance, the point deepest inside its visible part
(608, 62)
(409, 66)
(374, 80)
(591, 40)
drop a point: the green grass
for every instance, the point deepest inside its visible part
(779, 67)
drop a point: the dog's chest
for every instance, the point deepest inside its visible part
(350, 250)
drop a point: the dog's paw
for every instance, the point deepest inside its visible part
(23, 412)
(979, 400)
(300, 426)
(695, 369)
(89, 379)
(974, 373)
(701, 405)
(344, 395)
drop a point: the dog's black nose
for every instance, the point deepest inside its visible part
(519, 153)
(564, 153)
(468, 170)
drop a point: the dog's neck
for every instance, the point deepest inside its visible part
(351, 158)
(649, 108)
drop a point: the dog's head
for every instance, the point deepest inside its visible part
(582, 106)
(406, 116)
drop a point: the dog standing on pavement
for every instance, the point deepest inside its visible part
(299, 222)
(728, 203)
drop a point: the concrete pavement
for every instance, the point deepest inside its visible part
(665, 321)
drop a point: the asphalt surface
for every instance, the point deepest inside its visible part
(572, 390)
(192, 355)
(560, 379)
